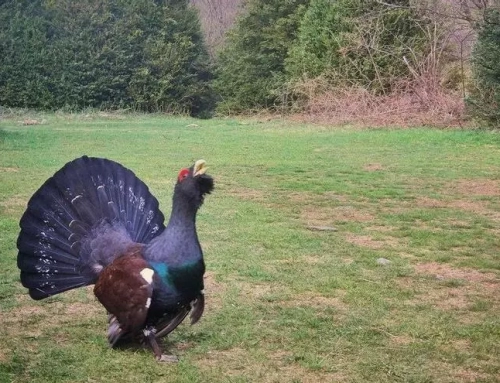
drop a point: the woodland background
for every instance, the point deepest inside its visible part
(375, 62)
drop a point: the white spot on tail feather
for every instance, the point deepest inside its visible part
(148, 303)
(142, 202)
(147, 274)
(76, 198)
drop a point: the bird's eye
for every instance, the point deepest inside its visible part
(183, 174)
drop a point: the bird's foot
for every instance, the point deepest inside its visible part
(165, 358)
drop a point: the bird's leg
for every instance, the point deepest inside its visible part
(149, 334)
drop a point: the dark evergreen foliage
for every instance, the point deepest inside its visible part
(484, 102)
(251, 66)
(145, 55)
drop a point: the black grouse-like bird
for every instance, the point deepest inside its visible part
(95, 222)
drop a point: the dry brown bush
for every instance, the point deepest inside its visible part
(431, 94)
(413, 103)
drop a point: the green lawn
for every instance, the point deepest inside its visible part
(289, 299)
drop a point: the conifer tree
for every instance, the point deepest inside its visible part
(139, 54)
(251, 66)
(484, 102)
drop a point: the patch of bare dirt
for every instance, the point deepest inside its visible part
(214, 291)
(330, 195)
(247, 193)
(27, 311)
(210, 282)
(325, 216)
(306, 197)
(461, 344)
(30, 319)
(466, 375)
(477, 187)
(255, 290)
(14, 203)
(316, 301)
(451, 298)
(183, 346)
(296, 373)
(78, 309)
(229, 356)
(470, 206)
(462, 204)
(457, 203)
(427, 202)
(364, 241)
(456, 373)
(300, 198)
(285, 298)
(466, 286)
(401, 340)
(476, 207)
(373, 167)
(9, 169)
(442, 270)
(262, 366)
(318, 211)
(310, 259)
(372, 243)
(380, 229)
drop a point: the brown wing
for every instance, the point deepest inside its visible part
(125, 289)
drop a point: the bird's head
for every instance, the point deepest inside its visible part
(193, 183)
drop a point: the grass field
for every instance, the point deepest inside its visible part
(293, 238)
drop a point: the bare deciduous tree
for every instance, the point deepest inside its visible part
(217, 16)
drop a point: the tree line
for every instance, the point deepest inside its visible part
(141, 54)
(151, 55)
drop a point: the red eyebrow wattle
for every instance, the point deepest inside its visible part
(183, 174)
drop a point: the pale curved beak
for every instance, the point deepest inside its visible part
(200, 167)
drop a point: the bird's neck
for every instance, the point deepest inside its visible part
(183, 215)
(178, 244)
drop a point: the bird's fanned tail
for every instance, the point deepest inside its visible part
(79, 221)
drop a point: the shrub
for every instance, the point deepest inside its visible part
(25, 64)
(146, 55)
(484, 102)
(358, 42)
(251, 65)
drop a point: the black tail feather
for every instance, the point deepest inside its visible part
(60, 244)
(48, 284)
(166, 325)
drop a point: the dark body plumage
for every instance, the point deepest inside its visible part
(95, 222)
